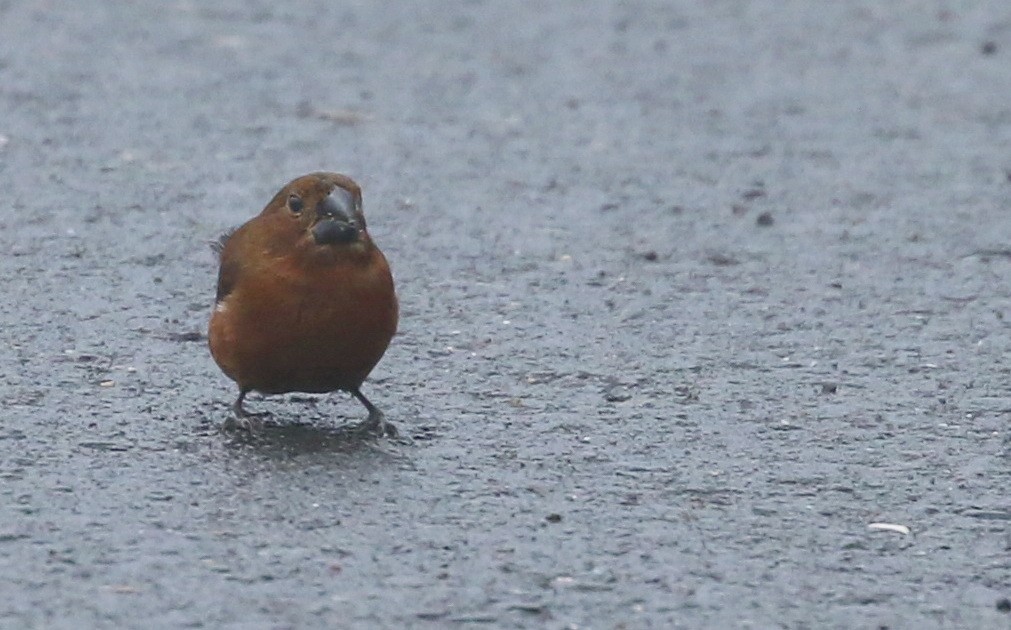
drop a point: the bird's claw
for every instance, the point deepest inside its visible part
(377, 425)
(245, 421)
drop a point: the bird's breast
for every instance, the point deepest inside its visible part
(311, 328)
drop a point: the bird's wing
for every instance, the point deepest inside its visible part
(218, 244)
(230, 268)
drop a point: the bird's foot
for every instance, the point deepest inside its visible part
(251, 423)
(243, 420)
(377, 425)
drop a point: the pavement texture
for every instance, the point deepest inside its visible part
(694, 295)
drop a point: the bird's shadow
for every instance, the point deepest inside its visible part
(285, 437)
(301, 438)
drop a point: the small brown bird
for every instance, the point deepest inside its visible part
(305, 299)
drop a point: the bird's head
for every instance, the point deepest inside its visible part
(322, 210)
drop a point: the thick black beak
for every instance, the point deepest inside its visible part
(335, 219)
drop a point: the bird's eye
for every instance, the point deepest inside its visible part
(295, 204)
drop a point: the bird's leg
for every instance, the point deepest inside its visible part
(245, 420)
(376, 422)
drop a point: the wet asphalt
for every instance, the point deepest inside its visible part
(695, 295)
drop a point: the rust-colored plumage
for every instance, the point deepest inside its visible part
(305, 299)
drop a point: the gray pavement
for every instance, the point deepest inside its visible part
(693, 293)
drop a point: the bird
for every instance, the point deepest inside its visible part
(305, 299)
